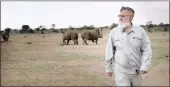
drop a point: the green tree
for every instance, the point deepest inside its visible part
(161, 24)
(37, 29)
(113, 25)
(91, 27)
(149, 26)
(21, 31)
(42, 30)
(70, 27)
(84, 27)
(31, 31)
(8, 30)
(53, 26)
(25, 28)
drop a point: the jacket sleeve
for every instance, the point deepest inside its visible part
(146, 52)
(109, 53)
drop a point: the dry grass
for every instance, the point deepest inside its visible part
(47, 62)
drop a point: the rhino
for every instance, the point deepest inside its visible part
(70, 35)
(91, 35)
(5, 35)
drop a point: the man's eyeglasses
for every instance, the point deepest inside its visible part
(124, 15)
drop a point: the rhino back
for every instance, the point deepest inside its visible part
(89, 35)
(67, 35)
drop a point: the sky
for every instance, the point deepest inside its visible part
(14, 14)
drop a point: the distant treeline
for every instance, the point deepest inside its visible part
(42, 29)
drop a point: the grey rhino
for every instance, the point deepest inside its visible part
(5, 35)
(91, 35)
(70, 35)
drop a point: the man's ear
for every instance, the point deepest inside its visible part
(131, 18)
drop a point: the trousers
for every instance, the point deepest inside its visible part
(123, 79)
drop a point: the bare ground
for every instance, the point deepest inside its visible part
(45, 62)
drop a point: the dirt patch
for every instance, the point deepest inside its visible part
(158, 76)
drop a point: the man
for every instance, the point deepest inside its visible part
(128, 51)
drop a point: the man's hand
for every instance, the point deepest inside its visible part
(143, 72)
(109, 74)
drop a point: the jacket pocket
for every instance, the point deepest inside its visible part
(118, 42)
(135, 41)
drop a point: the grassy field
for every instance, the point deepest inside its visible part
(46, 63)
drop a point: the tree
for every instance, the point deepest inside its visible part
(165, 29)
(53, 26)
(105, 27)
(16, 31)
(91, 27)
(42, 30)
(61, 30)
(70, 27)
(8, 30)
(84, 27)
(154, 25)
(21, 31)
(113, 25)
(149, 26)
(25, 28)
(55, 31)
(31, 31)
(37, 29)
(161, 24)
(40, 26)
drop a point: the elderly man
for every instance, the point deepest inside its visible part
(128, 51)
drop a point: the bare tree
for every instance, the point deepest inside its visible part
(53, 26)
(149, 26)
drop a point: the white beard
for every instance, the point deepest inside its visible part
(122, 25)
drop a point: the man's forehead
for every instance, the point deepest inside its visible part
(126, 12)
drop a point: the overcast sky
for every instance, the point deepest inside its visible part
(14, 14)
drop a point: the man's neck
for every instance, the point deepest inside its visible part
(128, 29)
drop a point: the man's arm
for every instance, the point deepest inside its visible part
(109, 53)
(146, 52)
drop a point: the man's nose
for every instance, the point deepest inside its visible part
(120, 19)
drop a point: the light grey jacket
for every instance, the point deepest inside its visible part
(133, 50)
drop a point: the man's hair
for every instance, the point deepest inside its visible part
(128, 9)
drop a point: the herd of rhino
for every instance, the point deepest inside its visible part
(68, 35)
(92, 35)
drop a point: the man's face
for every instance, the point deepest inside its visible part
(125, 17)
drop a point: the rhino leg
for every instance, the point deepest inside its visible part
(68, 42)
(96, 41)
(76, 42)
(93, 41)
(4, 37)
(7, 37)
(85, 41)
(64, 41)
